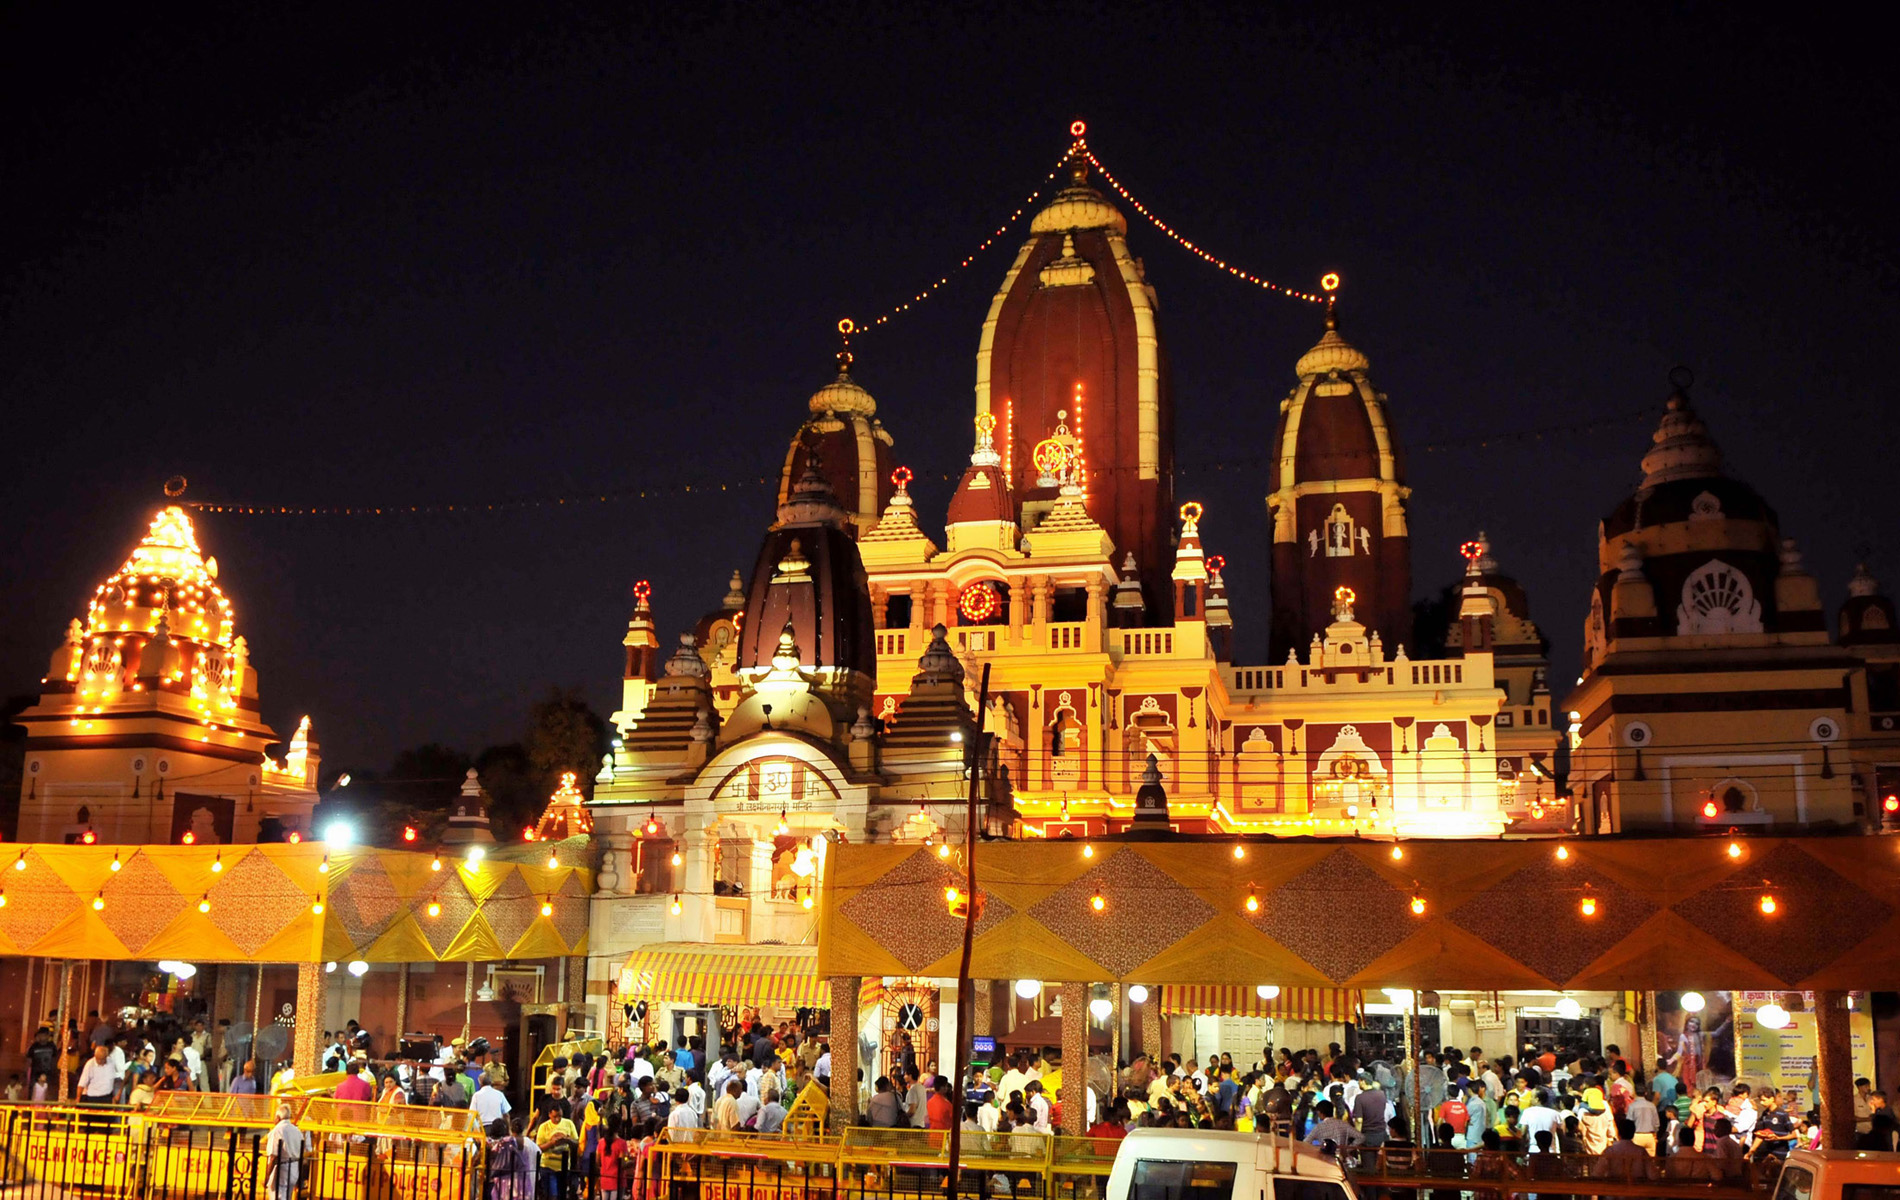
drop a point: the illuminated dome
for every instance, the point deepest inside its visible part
(1333, 353)
(1078, 206)
(161, 621)
(853, 451)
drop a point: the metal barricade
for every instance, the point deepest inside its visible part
(1079, 1167)
(1441, 1174)
(191, 1145)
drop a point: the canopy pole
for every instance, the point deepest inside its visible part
(978, 759)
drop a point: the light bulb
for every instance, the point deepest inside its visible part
(1418, 905)
(1137, 994)
(676, 858)
(189, 837)
(554, 862)
(204, 904)
(1266, 991)
(1240, 851)
(952, 894)
(1709, 809)
(1768, 904)
(943, 850)
(1569, 1009)
(676, 906)
(1692, 1002)
(1098, 902)
(98, 902)
(476, 854)
(435, 864)
(1589, 906)
(359, 968)
(217, 862)
(116, 864)
(1398, 852)
(317, 908)
(3, 897)
(435, 909)
(807, 901)
(20, 863)
(1028, 989)
(408, 833)
(1253, 903)
(1734, 849)
(547, 910)
(1100, 1008)
(1771, 1016)
(1563, 853)
(1088, 850)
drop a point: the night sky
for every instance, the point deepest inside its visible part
(438, 255)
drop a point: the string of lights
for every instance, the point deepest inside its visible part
(849, 327)
(1265, 284)
(667, 491)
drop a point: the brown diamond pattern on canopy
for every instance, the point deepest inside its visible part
(457, 907)
(570, 911)
(1339, 915)
(1534, 916)
(254, 900)
(140, 902)
(37, 901)
(1147, 911)
(369, 905)
(906, 912)
(1819, 913)
(510, 909)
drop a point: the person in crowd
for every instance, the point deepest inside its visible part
(283, 1156)
(1330, 1129)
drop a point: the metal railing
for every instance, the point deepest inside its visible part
(1491, 1175)
(197, 1144)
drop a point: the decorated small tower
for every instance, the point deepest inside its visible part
(153, 688)
(850, 444)
(566, 815)
(1338, 501)
(643, 659)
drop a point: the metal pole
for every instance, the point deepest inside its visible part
(978, 762)
(65, 1043)
(1418, 1063)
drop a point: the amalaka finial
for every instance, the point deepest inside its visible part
(1329, 283)
(846, 328)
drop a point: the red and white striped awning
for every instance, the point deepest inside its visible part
(1294, 1004)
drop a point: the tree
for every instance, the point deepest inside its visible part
(565, 734)
(515, 795)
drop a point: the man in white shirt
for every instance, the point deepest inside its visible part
(752, 1077)
(195, 1067)
(1493, 1083)
(641, 1069)
(696, 1096)
(1038, 1105)
(684, 1115)
(98, 1082)
(1539, 1117)
(822, 1068)
(283, 1155)
(1742, 1114)
(488, 1104)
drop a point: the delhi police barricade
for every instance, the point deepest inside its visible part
(873, 1164)
(198, 1144)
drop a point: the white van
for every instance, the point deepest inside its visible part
(1207, 1164)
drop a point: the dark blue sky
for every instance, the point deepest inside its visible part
(436, 254)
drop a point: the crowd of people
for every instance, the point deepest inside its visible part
(591, 1126)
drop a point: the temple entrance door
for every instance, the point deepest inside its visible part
(701, 1023)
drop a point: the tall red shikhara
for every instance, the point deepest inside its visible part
(1072, 330)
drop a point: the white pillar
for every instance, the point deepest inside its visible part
(946, 1027)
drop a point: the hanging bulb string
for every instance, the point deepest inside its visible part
(1081, 147)
(896, 310)
(663, 492)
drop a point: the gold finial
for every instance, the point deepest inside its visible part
(1329, 282)
(846, 328)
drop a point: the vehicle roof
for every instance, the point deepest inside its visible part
(1297, 1158)
(1875, 1163)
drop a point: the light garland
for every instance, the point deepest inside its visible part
(979, 602)
(1081, 147)
(985, 244)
